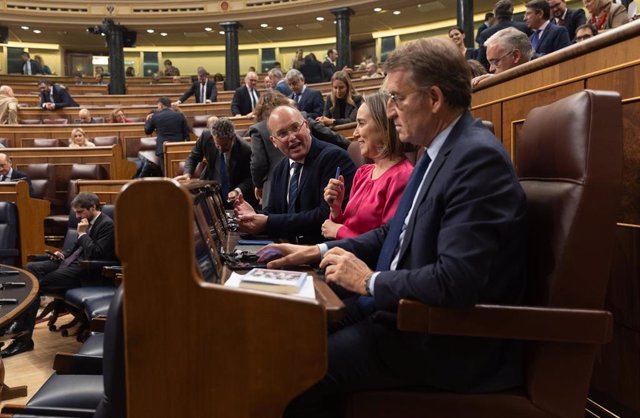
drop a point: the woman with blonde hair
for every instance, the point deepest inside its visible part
(79, 139)
(343, 103)
(377, 187)
(606, 14)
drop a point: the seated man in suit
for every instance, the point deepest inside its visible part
(84, 116)
(168, 124)
(506, 49)
(228, 160)
(307, 99)
(547, 37)
(63, 271)
(457, 238)
(296, 208)
(54, 96)
(7, 173)
(246, 97)
(204, 89)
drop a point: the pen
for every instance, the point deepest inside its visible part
(337, 172)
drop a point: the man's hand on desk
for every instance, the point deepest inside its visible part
(252, 223)
(345, 269)
(241, 207)
(293, 255)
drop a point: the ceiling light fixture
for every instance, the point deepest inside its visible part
(24, 27)
(319, 18)
(37, 31)
(264, 25)
(396, 12)
(150, 31)
(279, 28)
(221, 32)
(163, 33)
(377, 9)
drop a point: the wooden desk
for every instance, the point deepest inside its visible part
(8, 313)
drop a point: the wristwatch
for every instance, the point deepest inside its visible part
(366, 285)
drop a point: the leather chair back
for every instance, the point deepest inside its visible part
(55, 121)
(136, 118)
(46, 142)
(105, 141)
(199, 124)
(571, 175)
(354, 152)
(30, 121)
(83, 172)
(43, 180)
(8, 233)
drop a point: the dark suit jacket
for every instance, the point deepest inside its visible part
(169, 126)
(283, 87)
(211, 93)
(61, 97)
(572, 20)
(237, 166)
(486, 34)
(241, 102)
(464, 244)
(98, 243)
(35, 67)
(312, 71)
(264, 158)
(310, 102)
(19, 175)
(311, 209)
(553, 38)
(349, 114)
(328, 68)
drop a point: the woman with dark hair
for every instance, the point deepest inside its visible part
(311, 69)
(343, 102)
(264, 156)
(377, 187)
(456, 34)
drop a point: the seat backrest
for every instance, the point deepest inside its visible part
(83, 172)
(43, 180)
(46, 142)
(148, 143)
(55, 121)
(114, 401)
(569, 160)
(136, 118)
(8, 233)
(30, 121)
(354, 152)
(105, 141)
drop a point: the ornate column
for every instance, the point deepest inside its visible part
(343, 36)
(115, 43)
(232, 58)
(465, 21)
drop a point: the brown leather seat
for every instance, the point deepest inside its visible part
(354, 152)
(136, 118)
(105, 141)
(46, 143)
(572, 177)
(55, 121)
(43, 180)
(30, 121)
(199, 124)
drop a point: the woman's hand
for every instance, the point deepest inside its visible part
(326, 121)
(334, 195)
(330, 229)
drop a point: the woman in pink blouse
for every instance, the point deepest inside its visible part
(377, 187)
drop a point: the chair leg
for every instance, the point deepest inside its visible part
(55, 308)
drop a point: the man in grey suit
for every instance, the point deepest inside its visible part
(457, 239)
(307, 99)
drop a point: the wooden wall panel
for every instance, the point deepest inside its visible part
(630, 204)
(494, 114)
(626, 81)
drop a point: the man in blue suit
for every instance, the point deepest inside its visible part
(569, 18)
(307, 99)
(546, 37)
(457, 239)
(54, 96)
(296, 208)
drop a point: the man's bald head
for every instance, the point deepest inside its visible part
(6, 90)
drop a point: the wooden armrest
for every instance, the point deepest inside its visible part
(111, 271)
(98, 265)
(68, 363)
(9, 410)
(97, 324)
(587, 326)
(350, 125)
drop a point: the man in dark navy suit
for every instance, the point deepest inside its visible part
(7, 173)
(203, 89)
(246, 97)
(546, 37)
(307, 99)
(569, 18)
(168, 124)
(296, 208)
(457, 239)
(54, 96)
(29, 66)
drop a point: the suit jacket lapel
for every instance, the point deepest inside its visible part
(436, 165)
(308, 165)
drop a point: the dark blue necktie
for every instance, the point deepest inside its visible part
(293, 186)
(535, 39)
(224, 178)
(391, 242)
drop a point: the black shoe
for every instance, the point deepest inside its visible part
(17, 347)
(12, 329)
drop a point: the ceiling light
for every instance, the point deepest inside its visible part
(221, 32)
(377, 9)
(208, 29)
(279, 28)
(319, 18)
(37, 31)
(264, 25)
(335, 22)
(396, 12)
(163, 33)
(150, 30)
(24, 27)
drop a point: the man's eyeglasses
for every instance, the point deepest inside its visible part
(496, 61)
(284, 134)
(397, 99)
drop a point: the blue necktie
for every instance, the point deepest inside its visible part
(391, 242)
(293, 186)
(224, 178)
(534, 39)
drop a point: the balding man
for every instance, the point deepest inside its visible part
(506, 49)
(246, 97)
(84, 116)
(296, 208)
(204, 89)
(7, 173)
(8, 106)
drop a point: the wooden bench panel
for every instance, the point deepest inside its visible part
(107, 190)
(174, 154)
